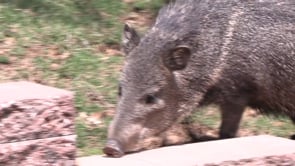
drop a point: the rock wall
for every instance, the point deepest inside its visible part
(37, 130)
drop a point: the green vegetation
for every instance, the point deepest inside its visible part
(279, 126)
(252, 122)
(74, 45)
(4, 60)
(153, 5)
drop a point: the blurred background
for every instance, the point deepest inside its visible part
(75, 45)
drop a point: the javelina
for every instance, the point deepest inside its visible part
(232, 53)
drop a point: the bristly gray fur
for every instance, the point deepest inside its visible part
(233, 53)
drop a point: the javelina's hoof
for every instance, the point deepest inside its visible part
(292, 137)
(113, 149)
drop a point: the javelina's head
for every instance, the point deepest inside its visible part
(151, 93)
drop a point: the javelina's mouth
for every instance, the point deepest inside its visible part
(113, 149)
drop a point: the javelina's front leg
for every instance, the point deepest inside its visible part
(231, 115)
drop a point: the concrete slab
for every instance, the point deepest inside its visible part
(200, 153)
(22, 90)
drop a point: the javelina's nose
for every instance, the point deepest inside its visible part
(113, 148)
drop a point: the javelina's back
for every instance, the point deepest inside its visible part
(248, 45)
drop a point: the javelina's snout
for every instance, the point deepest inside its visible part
(113, 149)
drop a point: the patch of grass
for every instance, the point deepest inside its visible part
(152, 5)
(279, 126)
(260, 124)
(68, 11)
(64, 22)
(81, 64)
(18, 51)
(4, 60)
(207, 116)
(90, 141)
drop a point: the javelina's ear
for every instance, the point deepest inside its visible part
(177, 58)
(130, 39)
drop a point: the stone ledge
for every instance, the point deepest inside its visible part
(198, 154)
(280, 160)
(43, 152)
(23, 90)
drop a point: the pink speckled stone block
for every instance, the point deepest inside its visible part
(55, 151)
(36, 122)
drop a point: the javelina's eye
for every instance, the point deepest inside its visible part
(150, 99)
